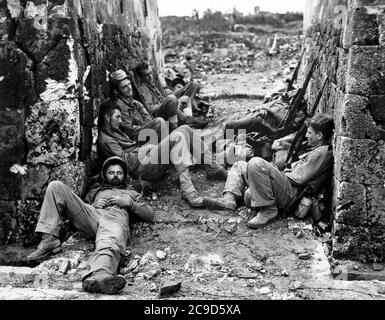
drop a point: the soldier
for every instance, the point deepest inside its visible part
(104, 216)
(269, 188)
(182, 148)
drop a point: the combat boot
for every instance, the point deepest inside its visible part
(264, 216)
(48, 246)
(102, 282)
(189, 192)
(227, 203)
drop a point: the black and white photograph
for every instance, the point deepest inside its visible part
(212, 152)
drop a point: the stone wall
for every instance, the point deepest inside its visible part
(348, 38)
(55, 57)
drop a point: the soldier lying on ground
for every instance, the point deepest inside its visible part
(135, 117)
(269, 188)
(182, 148)
(105, 218)
(156, 102)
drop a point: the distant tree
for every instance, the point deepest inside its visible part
(207, 14)
(195, 14)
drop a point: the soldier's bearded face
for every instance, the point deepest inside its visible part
(114, 175)
(147, 74)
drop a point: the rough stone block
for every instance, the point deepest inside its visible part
(377, 107)
(14, 276)
(360, 161)
(366, 71)
(376, 205)
(354, 119)
(342, 68)
(37, 42)
(16, 78)
(351, 204)
(358, 243)
(11, 151)
(36, 181)
(362, 28)
(52, 132)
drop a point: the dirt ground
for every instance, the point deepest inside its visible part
(213, 253)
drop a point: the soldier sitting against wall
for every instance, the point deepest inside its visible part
(104, 216)
(271, 189)
(135, 117)
(158, 103)
(187, 104)
(182, 148)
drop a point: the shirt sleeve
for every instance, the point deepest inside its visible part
(306, 169)
(144, 113)
(140, 208)
(127, 126)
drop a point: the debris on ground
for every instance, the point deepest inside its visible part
(168, 288)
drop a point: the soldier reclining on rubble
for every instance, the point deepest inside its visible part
(135, 117)
(182, 148)
(105, 218)
(269, 188)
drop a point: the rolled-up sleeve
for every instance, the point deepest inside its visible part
(306, 169)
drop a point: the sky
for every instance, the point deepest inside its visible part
(185, 7)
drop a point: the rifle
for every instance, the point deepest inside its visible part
(294, 107)
(300, 136)
(295, 74)
(296, 104)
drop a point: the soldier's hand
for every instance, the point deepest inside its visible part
(102, 203)
(125, 202)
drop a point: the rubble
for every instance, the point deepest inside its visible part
(168, 288)
(263, 291)
(378, 267)
(304, 256)
(161, 255)
(65, 266)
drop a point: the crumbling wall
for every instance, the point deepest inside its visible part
(55, 57)
(348, 39)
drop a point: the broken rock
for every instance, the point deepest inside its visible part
(304, 256)
(152, 274)
(264, 290)
(284, 273)
(161, 255)
(168, 288)
(378, 267)
(65, 266)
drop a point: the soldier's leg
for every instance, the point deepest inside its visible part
(59, 204)
(111, 240)
(235, 186)
(270, 189)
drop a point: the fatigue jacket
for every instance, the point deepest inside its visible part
(102, 190)
(152, 96)
(313, 168)
(134, 116)
(112, 144)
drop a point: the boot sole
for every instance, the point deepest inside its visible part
(46, 256)
(108, 285)
(215, 206)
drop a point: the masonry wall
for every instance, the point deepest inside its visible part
(348, 38)
(55, 58)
